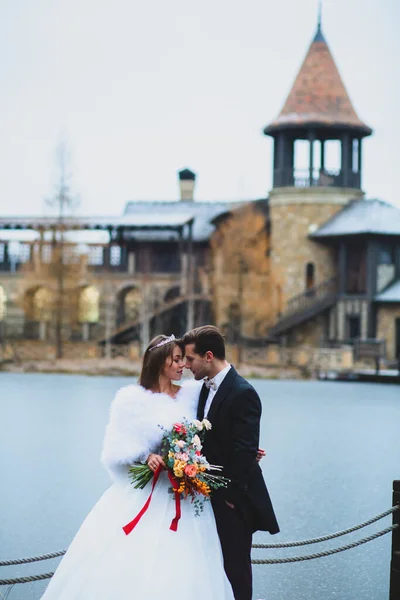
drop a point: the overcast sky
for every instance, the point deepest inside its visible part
(142, 89)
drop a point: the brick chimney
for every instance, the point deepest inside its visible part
(187, 180)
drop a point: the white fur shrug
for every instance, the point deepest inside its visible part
(135, 415)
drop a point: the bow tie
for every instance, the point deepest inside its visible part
(210, 384)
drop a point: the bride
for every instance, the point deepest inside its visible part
(152, 562)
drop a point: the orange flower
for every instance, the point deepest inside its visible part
(202, 487)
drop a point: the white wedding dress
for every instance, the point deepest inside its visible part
(152, 562)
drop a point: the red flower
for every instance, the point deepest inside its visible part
(178, 427)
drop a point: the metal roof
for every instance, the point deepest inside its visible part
(362, 217)
(145, 220)
(203, 213)
(148, 220)
(391, 294)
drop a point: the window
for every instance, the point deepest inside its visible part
(24, 253)
(2, 252)
(353, 327)
(386, 255)
(42, 304)
(115, 256)
(356, 269)
(46, 254)
(386, 269)
(88, 305)
(3, 300)
(165, 258)
(132, 305)
(310, 277)
(95, 257)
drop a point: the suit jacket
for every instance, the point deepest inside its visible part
(233, 442)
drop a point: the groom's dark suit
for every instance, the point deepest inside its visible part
(233, 442)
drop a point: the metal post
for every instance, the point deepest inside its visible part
(109, 318)
(359, 161)
(345, 159)
(281, 160)
(145, 307)
(395, 562)
(190, 280)
(182, 259)
(144, 317)
(322, 167)
(311, 139)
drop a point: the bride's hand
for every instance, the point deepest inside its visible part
(154, 461)
(260, 454)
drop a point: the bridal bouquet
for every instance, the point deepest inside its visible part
(188, 469)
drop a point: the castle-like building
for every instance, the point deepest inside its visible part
(330, 258)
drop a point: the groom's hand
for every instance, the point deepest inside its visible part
(260, 454)
(154, 461)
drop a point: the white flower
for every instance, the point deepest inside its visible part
(206, 423)
(198, 424)
(197, 442)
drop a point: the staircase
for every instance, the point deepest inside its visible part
(306, 306)
(123, 334)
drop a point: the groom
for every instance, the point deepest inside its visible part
(233, 407)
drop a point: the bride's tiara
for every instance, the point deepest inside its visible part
(171, 338)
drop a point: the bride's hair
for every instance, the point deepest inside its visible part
(154, 360)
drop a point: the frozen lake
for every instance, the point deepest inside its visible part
(332, 454)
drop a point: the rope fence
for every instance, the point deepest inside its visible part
(269, 561)
(276, 561)
(325, 538)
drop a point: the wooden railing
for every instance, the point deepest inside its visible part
(311, 296)
(304, 306)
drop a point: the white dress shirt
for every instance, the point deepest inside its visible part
(218, 379)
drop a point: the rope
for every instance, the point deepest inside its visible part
(21, 561)
(327, 537)
(274, 561)
(26, 579)
(269, 561)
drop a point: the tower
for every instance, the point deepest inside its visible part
(319, 125)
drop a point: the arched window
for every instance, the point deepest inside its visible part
(132, 302)
(88, 310)
(3, 301)
(42, 305)
(129, 300)
(172, 293)
(310, 277)
(88, 305)
(38, 308)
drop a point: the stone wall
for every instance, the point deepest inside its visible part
(243, 290)
(294, 214)
(386, 327)
(34, 350)
(302, 357)
(311, 333)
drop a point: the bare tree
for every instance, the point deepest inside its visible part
(61, 267)
(64, 204)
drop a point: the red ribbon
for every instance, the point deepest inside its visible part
(130, 526)
(174, 523)
(175, 486)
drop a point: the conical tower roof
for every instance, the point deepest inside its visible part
(318, 97)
